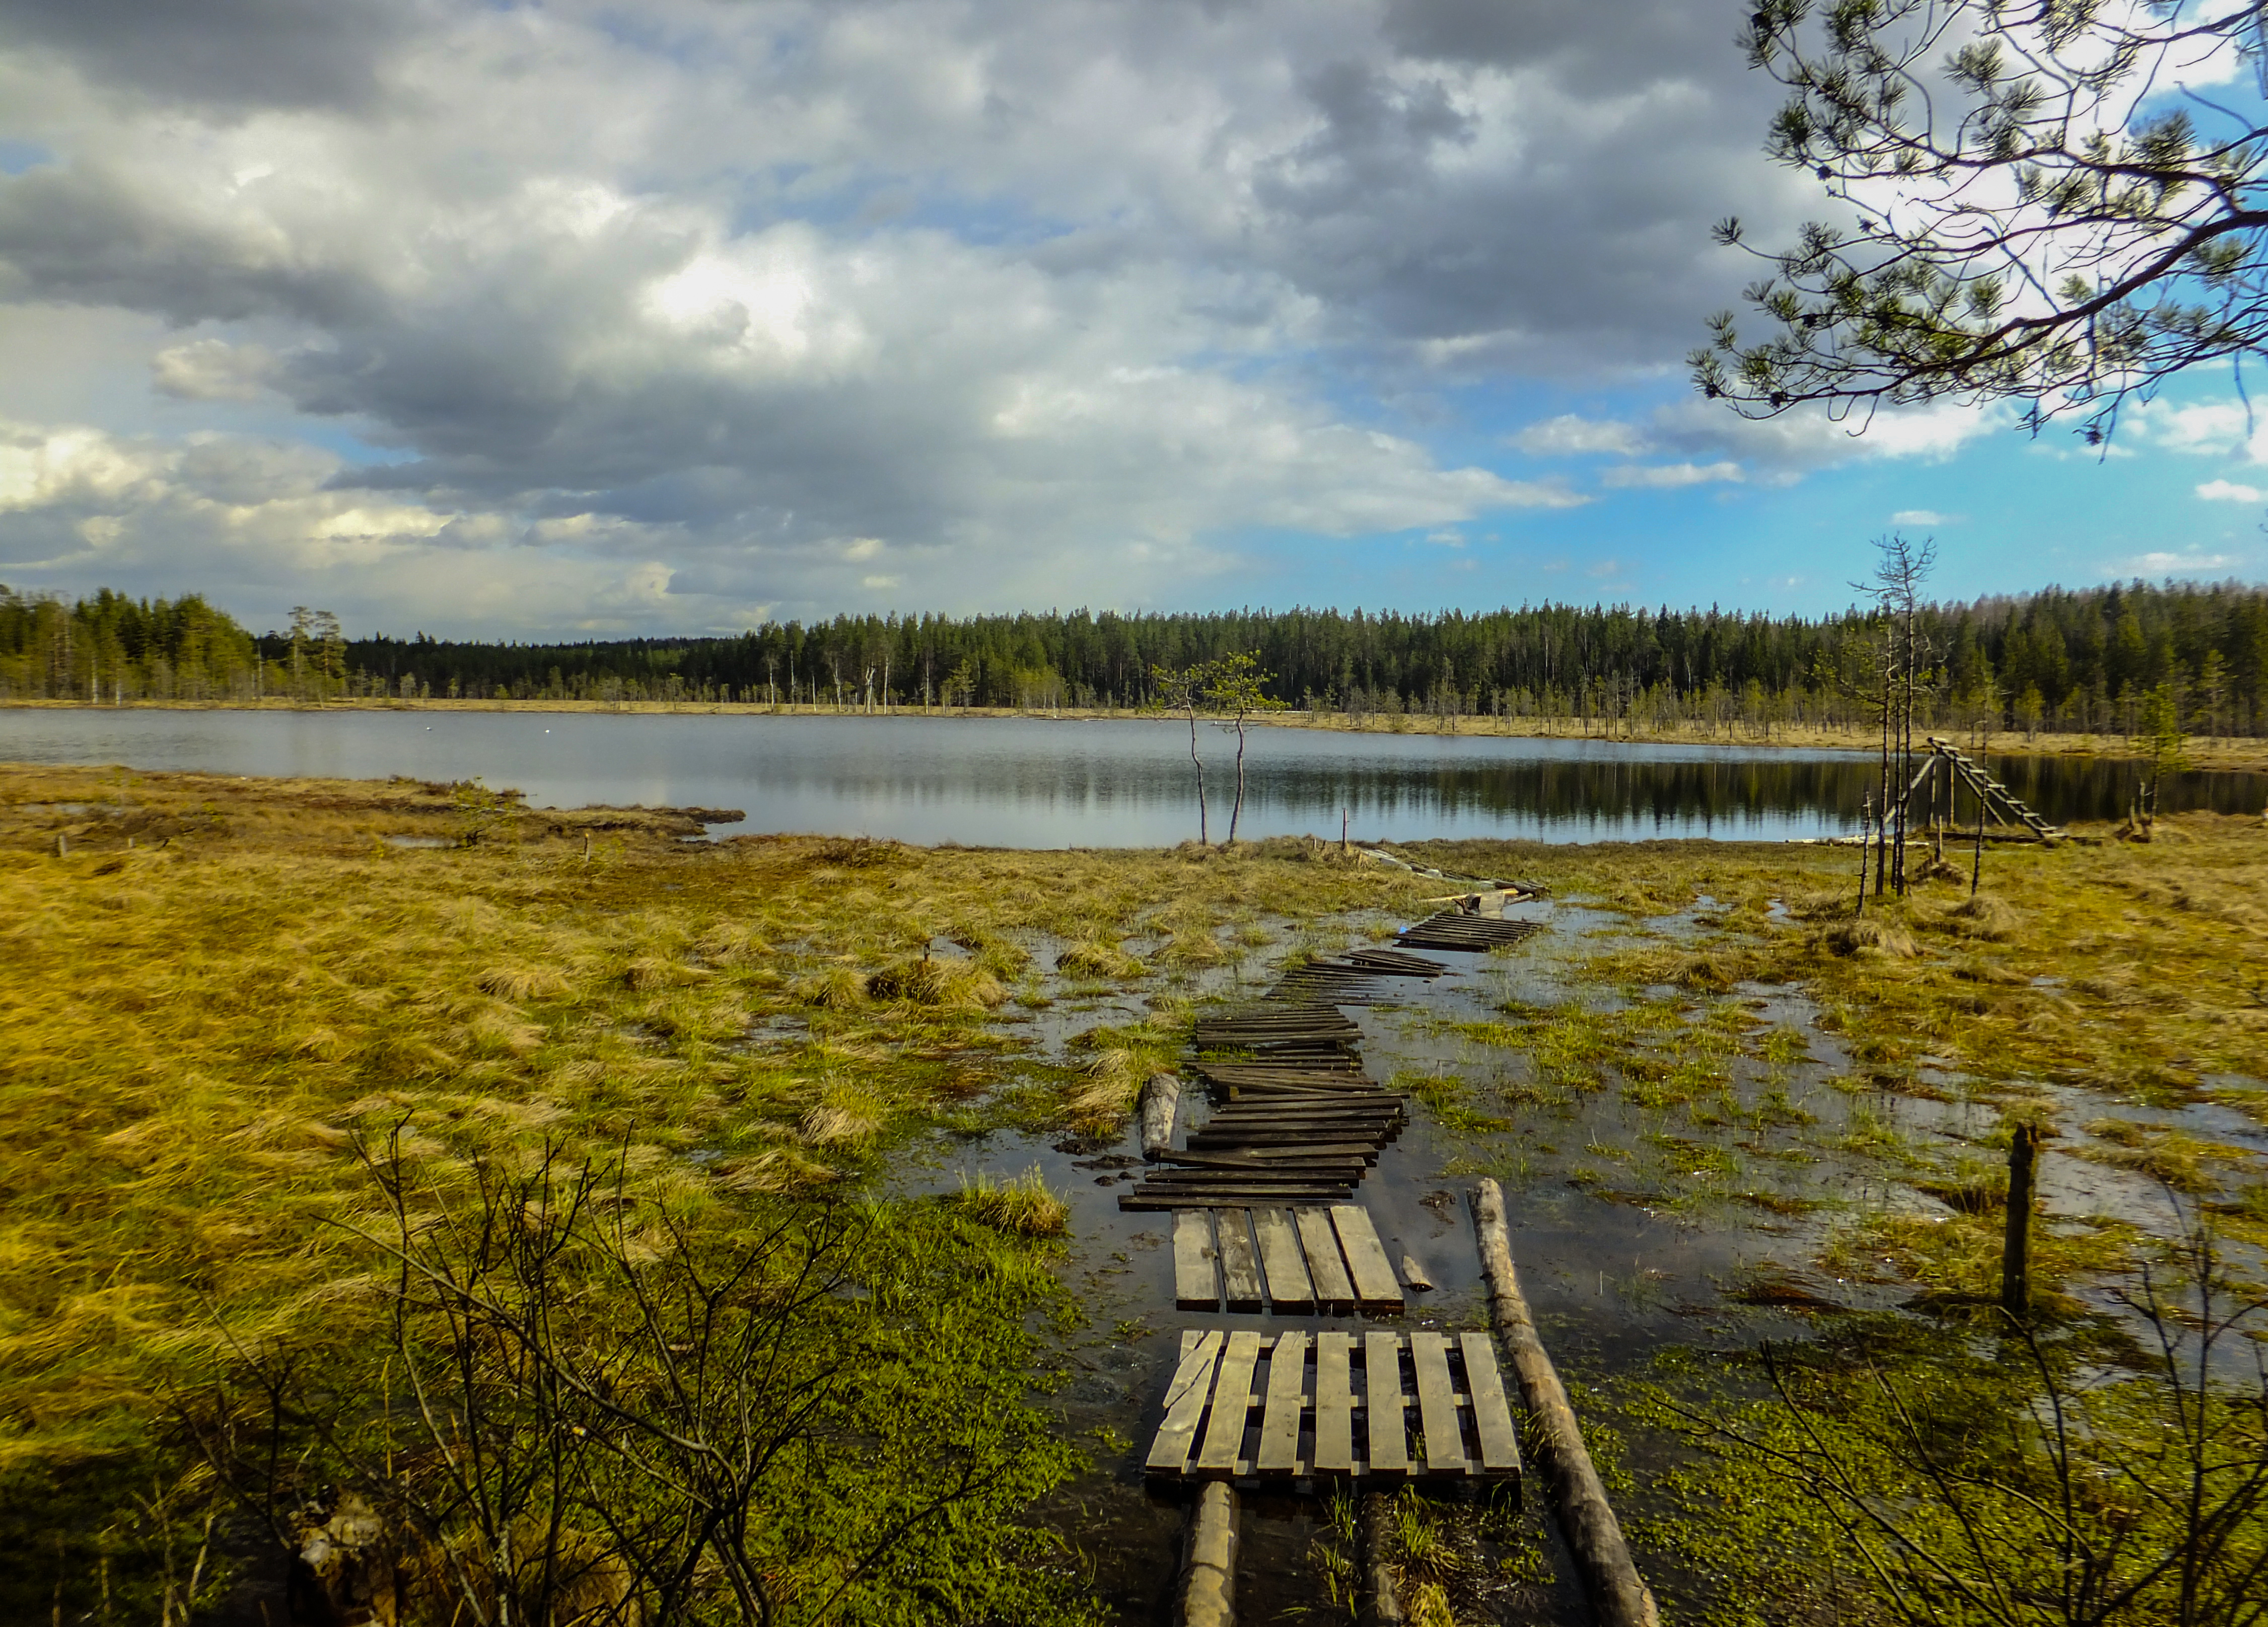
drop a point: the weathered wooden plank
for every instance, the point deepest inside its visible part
(1239, 1263)
(1196, 1276)
(1161, 1203)
(1288, 1287)
(1492, 1426)
(1334, 1404)
(1278, 1451)
(1161, 1096)
(1334, 1291)
(1276, 1159)
(1437, 1404)
(1375, 1287)
(1185, 1404)
(1232, 1404)
(1390, 1434)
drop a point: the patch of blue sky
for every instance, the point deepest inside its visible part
(16, 157)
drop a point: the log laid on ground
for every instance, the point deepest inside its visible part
(1619, 1595)
(1382, 1606)
(1208, 1589)
(1161, 1096)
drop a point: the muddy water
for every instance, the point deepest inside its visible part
(1639, 1221)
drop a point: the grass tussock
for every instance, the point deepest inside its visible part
(947, 985)
(1022, 1207)
(1097, 958)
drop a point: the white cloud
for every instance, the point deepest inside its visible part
(2149, 566)
(1670, 476)
(1919, 516)
(1570, 434)
(2229, 492)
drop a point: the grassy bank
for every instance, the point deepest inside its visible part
(250, 1012)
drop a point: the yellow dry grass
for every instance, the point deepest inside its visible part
(200, 1024)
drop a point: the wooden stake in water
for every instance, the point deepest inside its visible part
(2016, 1251)
(1865, 829)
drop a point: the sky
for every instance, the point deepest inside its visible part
(506, 320)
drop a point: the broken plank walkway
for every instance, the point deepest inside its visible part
(1291, 1261)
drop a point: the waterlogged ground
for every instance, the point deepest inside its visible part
(1684, 1171)
(1723, 1111)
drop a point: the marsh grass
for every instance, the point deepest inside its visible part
(198, 1024)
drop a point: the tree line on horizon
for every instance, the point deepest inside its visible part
(2085, 661)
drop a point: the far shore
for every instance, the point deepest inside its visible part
(2232, 754)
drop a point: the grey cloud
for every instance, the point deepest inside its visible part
(1153, 241)
(247, 52)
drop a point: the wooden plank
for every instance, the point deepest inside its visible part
(1185, 1404)
(1375, 1287)
(1279, 1426)
(1162, 1202)
(1390, 1434)
(1288, 1288)
(1232, 1404)
(1197, 1277)
(1499, 1441)
(1334, 1404)
(1437, 1404)
(1239, 1263)
(1334, 1291)
(1275, 1158)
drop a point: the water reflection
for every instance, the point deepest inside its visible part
(1035, 783)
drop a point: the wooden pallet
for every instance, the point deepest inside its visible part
(1336, 1404)
(1295, 1262)
(1452, 929)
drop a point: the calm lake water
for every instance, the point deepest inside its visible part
(1030, 782)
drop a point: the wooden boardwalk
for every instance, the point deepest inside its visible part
(1298, 1406)
(1296, 1121)
(1453, 928)
(1294, 1261)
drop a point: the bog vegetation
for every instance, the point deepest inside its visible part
(517, 1223)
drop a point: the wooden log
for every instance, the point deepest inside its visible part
(1207, 1594)
(1138, 1201)
(1619, 1596)
(1383, 1605)
(1161, 1095)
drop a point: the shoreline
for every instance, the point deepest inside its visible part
(2219, 754)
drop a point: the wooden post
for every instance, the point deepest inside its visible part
(1619, 1595)
(2016, 1252)
(1343, 843)
(1865, 829)
(1208, 1584)
(1977, 860)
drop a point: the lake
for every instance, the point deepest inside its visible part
(1034, 782)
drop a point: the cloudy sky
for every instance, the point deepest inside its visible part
(501, 319)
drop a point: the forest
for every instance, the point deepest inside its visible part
(2081, 661)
